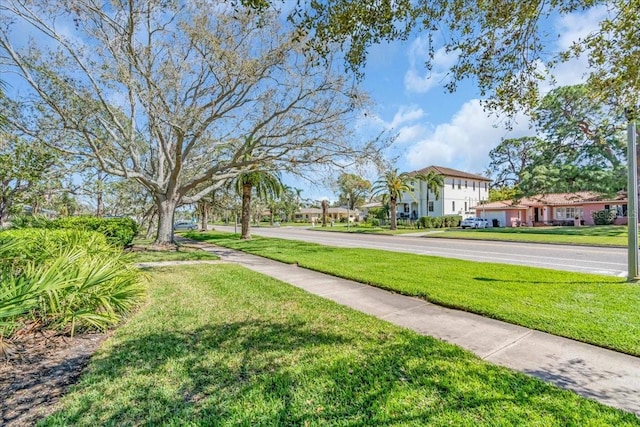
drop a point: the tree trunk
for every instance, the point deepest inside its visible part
(99, 204)
(246, 211)
(152, 225)
(324, 213)
(393, 205)
(427, 207)
(99, 196)
(204, 225)
(166, 210)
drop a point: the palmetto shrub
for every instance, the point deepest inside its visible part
(39, 245)
(118, 231)
(77, 280)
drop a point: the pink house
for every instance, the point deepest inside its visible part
(553, 209)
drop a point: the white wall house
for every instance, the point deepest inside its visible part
(460, 194)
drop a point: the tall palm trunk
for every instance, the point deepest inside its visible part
(393, 204)
(246, 210)
(427, 207)
(325, 208)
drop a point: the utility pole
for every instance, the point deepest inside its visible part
(632, 194)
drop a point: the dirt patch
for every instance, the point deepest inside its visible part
(42, 367)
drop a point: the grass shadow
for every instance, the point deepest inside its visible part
(268, 373)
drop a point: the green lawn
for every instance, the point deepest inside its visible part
(366, 230)
(184, 253)
(608, 235)
(601, 310)
(220, 345)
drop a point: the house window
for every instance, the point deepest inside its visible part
(485, 186)
(453, 184)
(465, 206)
(568, 213)
(453, 206)
(621, 210)
(430, 207)
(465, 185)
(459, 184)
(406, 208)
(474, 185)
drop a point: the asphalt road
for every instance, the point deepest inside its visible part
(587, 259)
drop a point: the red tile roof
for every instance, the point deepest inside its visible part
(577, 198)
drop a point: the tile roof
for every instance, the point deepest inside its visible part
(579, 197)
(441, 170)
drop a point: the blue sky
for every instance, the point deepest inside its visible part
(435, 127)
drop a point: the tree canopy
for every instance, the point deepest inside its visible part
(353, 189)
(180, 96)
(23, 167)
(502, 45)
(580, 146)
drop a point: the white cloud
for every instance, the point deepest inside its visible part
(417, 78)
(406, 114)
(576, 26)
(410, 134)
(465, 141)
(573, 28)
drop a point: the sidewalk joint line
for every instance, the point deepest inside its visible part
(515, 341)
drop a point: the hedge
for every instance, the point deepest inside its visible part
(438, 221)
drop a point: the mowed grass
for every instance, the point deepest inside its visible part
(600, 310)
(182, 254)
(608, 235)
(369, 230)
(224, 346)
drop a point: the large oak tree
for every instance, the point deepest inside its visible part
(180, 96)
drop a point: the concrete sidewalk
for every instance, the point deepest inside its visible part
(606, 376)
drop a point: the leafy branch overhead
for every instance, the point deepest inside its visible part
(501, 45)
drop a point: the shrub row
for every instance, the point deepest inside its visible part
(63, 278)
(118, 231)
(604, 217)
(438, 221)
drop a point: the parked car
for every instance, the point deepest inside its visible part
(474, 222)
(184, 225)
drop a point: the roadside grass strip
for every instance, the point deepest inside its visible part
(219, 345)
(599, 310)
(607, 235)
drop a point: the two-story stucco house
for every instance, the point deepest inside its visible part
(459, 195)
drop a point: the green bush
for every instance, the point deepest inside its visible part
(438, 221)
(118, 231)
(604, 217)
(39, 245)
(452, 220)
(64, 278)
(30, 221)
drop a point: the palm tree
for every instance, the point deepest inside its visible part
(392, 185)
(325, 209)
(265, 183)
(434, 182)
